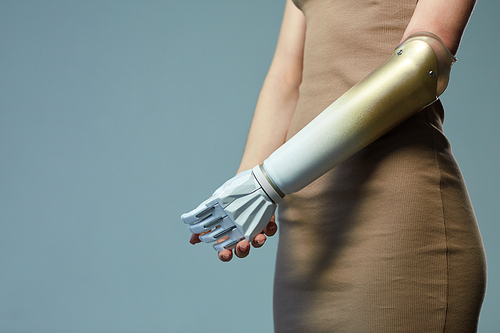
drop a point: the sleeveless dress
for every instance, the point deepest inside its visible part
(387, 241)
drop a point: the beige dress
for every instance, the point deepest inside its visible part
(387, 241)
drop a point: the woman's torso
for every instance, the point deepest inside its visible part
(366, 247)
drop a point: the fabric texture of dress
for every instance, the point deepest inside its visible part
(387, 241)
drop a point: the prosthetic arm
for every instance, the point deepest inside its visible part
(413, 77)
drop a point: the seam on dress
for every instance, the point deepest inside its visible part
(443, 214)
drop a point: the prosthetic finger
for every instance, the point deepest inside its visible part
(213, 221)
(228, 229)
(227, 244)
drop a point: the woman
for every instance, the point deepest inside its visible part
(386, 241)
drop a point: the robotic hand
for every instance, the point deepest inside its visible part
(239, 209)
(414, 76)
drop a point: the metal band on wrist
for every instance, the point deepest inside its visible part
(269, 187)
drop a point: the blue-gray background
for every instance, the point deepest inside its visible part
(117, 116)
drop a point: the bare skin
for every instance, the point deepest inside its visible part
(445, 18)
(278, 98)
